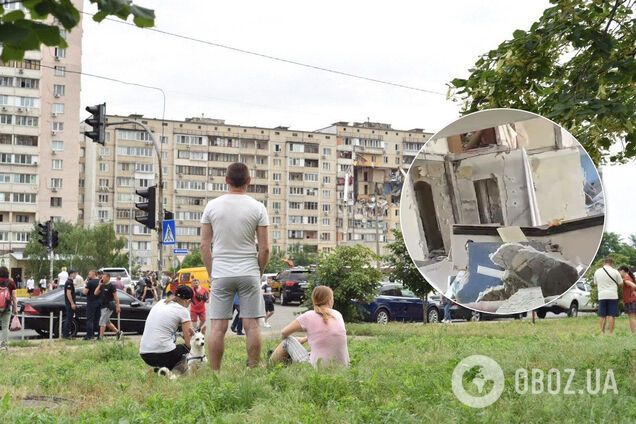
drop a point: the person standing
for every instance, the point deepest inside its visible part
(62, 277)
(93, 305)
(629, 296)
(229, 226)
(607, 280)
(148, 295)
(8, 304)
(268, 298)
(43, 284)
(109, 302)
(30, 285)
(70, 305)
(119, 285)
(197, 309)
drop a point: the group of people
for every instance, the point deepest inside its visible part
(235, 251)
(610, 282)
(101, 301)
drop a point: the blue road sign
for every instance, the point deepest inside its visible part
(180, 251)
(169, 231)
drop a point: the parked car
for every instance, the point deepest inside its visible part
(292, 284)
(576, 299)
(118, 272)
(37, 310)
(396, 303)
(459, 312)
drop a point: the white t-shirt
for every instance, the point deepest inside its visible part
(43, 283)
(607, 289)
(234, 219)
(163, 321)
(62, 277)
(30, 283)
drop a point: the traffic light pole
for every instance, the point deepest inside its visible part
(159, 219)
(51, 253)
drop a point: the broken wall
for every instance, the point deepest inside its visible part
(507, 169)
(559, 181)
(536, 133)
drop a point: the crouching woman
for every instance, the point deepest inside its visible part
(158, 348)
(326, 334)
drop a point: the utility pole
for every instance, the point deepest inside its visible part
(50, 247)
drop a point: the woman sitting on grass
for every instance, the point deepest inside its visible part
(326, 334)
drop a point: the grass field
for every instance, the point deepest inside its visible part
(400, 373)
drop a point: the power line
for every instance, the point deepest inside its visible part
(277, 59)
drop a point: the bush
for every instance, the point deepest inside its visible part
(350, 273)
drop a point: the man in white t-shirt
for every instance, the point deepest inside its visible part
(230, 226)
(608, 281)
(30, 284)
(157, 347)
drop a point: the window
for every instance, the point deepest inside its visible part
(6, 119)
(326, 194)
(21, 236)
(22, 218)
(326, 221)
(104, 182)
(326, 180)
(26, 121)
(325, 236)
(59, 53)
(102, 198)
(103, 167)
(57, 108)
(28, 102)
(4, 100)
(311, 220)
(311, 177)
(277, 148)
(296, 162)
(276, 191)
(133, 135)
(24, 197)
(57, 145)
(326, 151)
(56, 202)
(6, 81)
(60, 71)
(24, 178)
(311, 206)
(296, 191)
(276, 220)
(102, 214)
(28, 83)
(56, 183)
(278, 162)
(57, 126)
(326, 208)
(59, 90)
(326, 166)
(56, 164)
(295, 205)
(276, 205)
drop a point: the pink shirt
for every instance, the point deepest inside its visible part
(328, 341)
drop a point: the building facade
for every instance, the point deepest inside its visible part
(337, 185)
(39, 123)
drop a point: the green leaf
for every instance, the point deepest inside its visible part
(10, 52)
(144, 17)
(13, 16)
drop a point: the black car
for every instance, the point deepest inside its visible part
(396, 303)
(37, 311)
(293, 283)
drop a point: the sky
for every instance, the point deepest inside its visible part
(418, 44)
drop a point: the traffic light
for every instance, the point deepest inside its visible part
(167, 215)
(43, 233)
(148, 207)
(97, 122)
(54, 239)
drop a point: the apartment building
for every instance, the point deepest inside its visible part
(39, 123)
(301, 176)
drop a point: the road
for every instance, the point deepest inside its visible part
(283, 315)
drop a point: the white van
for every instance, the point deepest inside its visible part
(118, 272)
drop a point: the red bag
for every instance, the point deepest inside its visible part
(15, 324)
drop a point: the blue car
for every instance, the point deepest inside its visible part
(396, 303)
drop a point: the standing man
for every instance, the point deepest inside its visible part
(93, 305)
(109, 302)
(200, 296)
(43, 285)
(69, 303)
(607, 280)
(230, 225)
(30, 284)
(268, 297)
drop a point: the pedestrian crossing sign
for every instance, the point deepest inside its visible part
(168, 233)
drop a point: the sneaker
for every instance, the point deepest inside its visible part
(267, 325)
(119, 335)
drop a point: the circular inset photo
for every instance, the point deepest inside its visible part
(502, 211)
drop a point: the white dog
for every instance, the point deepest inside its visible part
(192, 360)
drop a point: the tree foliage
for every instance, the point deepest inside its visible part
(403, 269)
(80, 248)
(576, 65)
(351, 274)
(192, 260)
(20, 31)
(276, 263)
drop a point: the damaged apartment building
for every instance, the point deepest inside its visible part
(490, 172)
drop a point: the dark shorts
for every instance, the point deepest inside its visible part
(165, 359)
(30, 290)
(630, 308)
(608, 308)
(269, 306)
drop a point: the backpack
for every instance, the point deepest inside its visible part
(5, 295)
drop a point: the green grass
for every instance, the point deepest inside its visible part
(400, 373)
